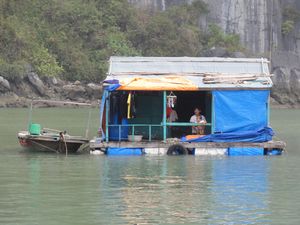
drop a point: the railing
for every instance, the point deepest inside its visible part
(150, 126)
(164, 123)
(120, 126)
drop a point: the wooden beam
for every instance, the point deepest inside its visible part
(107, 106)
(161, 144)
(164, 120)
(180, 124)
(212, 114)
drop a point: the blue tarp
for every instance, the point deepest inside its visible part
(242, 110)
(240, 116)
(262, 135)
(112, 87)
(114, 130)
(243, 151)
(124, 151)
(102, 105)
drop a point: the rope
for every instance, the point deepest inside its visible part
(88, 124)
(51, 149)
(63, 139)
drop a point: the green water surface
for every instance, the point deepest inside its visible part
(51, 189)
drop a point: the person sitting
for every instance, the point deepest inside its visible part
(198, 118)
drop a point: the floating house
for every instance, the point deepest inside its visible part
(148, 104)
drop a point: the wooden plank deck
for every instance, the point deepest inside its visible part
(160, 144)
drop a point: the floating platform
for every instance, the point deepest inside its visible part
(209, 148)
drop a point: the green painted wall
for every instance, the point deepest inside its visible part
(149, 107)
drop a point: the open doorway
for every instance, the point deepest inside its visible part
(186, 102)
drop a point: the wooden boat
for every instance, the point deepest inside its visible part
(51, 140)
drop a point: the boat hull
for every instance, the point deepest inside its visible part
(50, 144)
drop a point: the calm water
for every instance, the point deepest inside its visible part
(52, 189)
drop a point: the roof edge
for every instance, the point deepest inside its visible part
(186, 59)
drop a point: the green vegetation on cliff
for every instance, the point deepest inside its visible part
(291, 16)
(74, 38)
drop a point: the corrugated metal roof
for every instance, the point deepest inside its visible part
(192, 68)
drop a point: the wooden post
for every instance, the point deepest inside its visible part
(132, 133)
(87, 130)
(150, 130)
(119, 132)
(107, 105)
(29, 116)
(164, 121)
(212, 113)
(268, 111)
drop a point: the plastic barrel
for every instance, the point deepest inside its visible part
(35, 129)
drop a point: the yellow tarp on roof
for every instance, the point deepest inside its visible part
(165, 83)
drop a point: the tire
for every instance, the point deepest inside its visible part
(177, 150)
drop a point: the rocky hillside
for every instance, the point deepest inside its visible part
(21, 91)
(267, 28)
(43, 42)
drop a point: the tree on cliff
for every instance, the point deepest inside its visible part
(74, 38)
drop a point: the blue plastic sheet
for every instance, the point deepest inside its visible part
(241, 110)
(240, 116)
(114, 134)
(124, 151)
(112, 81)
(113, 84)
(106, 90)
(113, 87)
(102, 106)
(274, 152)
(261, 135)
(237, 151)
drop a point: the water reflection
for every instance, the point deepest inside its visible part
(240, 190)
(50, 189)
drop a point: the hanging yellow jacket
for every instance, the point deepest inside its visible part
(129, 106)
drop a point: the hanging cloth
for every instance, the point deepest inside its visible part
(123, 106)
(114, 105)
(133, 106)
(129, 106)
(171, 100)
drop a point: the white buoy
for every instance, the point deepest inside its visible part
(96, 152)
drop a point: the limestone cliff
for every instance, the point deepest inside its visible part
(259, 25)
